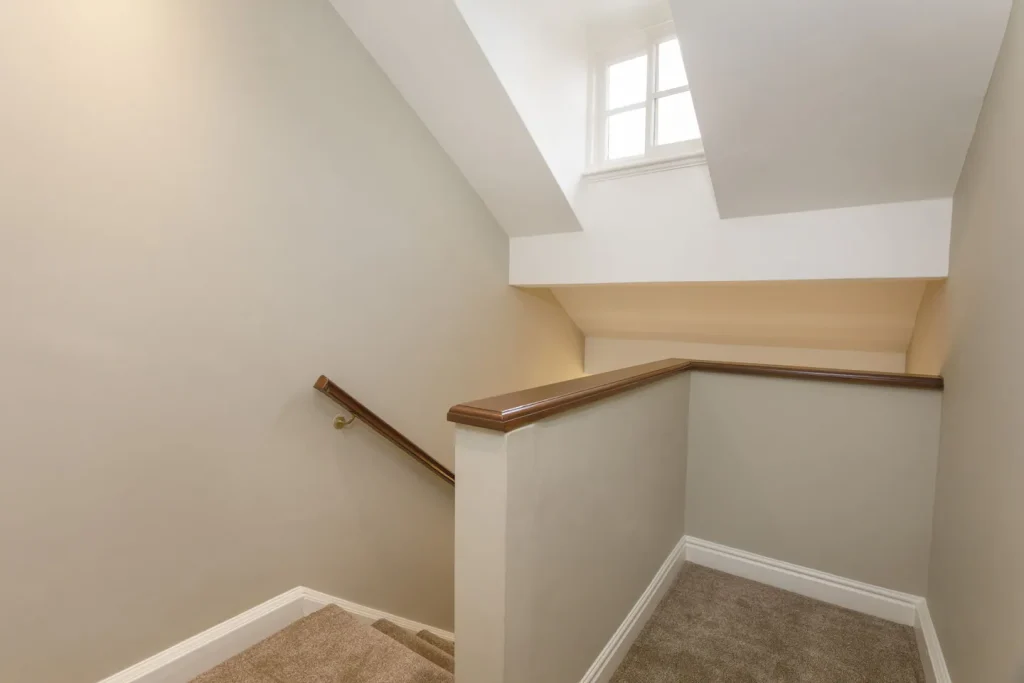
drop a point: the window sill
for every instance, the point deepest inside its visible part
(641, 166)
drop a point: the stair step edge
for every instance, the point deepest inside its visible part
(416, 644)
(437, 641)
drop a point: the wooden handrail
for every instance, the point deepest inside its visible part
(511, 411)
(372, 420)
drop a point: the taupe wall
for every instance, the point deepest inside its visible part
(561, 526)
(929, 344)
(976, 592)
(837, 477)
(594, 510)
(204, 204)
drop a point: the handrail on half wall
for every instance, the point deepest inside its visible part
(372, 420)
(512, 411)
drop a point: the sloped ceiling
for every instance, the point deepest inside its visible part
(432, 57)
(503, 87)
(850, 315)
(812, 105)
(803, 105)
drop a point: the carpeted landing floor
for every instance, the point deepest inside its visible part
(714, 627)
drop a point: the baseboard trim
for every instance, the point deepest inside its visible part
(182, 662)
(191, 657)
(932, 660)
(186, 660)
(836, 590)
(613, 653)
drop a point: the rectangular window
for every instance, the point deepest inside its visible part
(643, 108)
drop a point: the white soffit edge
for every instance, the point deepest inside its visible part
(432, 57)
(887, 241)
(813, 105)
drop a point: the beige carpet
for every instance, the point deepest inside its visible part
(716, 628)
(421, 647)
(332, 646)
(438, 642)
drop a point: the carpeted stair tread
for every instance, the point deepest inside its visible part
(328, 646)
(437, 641)
(416, 644)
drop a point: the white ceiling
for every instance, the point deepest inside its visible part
(811, 105)
(588, 12)
(432, 57)
(858, 315)
(803, 105)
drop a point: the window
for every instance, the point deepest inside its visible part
(642, 108)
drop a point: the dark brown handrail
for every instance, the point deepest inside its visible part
(511, 411)
(372, 420)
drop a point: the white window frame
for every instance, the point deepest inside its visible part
(655, 157)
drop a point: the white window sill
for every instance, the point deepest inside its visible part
(625, 169)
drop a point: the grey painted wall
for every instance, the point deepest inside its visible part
(836, 477)
(560, 527)
(976, 592)
(205, 204)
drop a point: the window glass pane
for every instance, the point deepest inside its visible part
(671, 73)
(627, 133)
(627, 82)
(676, 120)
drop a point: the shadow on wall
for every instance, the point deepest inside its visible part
(929, 346)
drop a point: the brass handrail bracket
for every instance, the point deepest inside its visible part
(340, 422)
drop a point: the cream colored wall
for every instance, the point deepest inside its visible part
(604, 354)
(598, 513)
(976, 594)
(874, 316)
(481, 553)
(586, 506)
(203, 206)
(930, 343)
(836, 477)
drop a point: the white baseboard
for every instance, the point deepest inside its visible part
(189, 658)
(611, 656)
(182, 662)
(836, 590)
(934, 663)
(902, 608)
